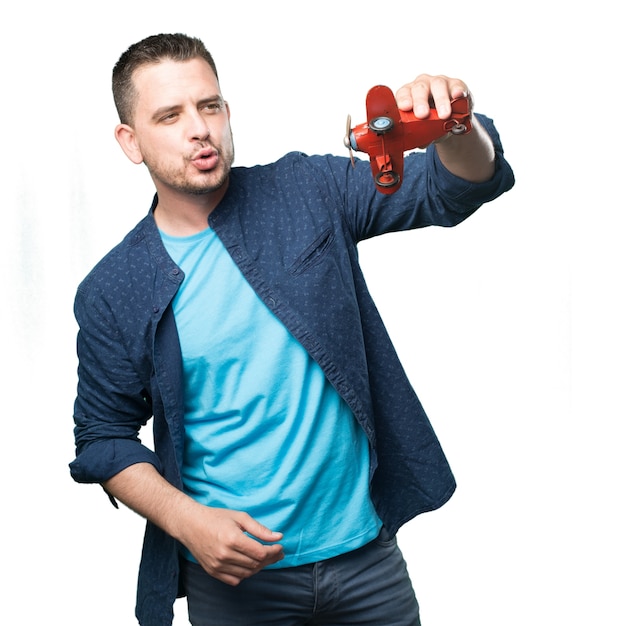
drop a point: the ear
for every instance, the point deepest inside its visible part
(125, 136)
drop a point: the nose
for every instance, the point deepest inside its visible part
(198, 127)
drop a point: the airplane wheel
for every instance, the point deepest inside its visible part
(387, 179)
(381, 125)
(459, 129)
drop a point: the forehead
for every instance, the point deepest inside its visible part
(174, 82)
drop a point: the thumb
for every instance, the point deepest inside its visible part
(258, 530)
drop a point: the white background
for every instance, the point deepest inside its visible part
(511, 326)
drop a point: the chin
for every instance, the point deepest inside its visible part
(203, 187)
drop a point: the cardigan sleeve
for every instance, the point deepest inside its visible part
(112, 403)
(430, 195)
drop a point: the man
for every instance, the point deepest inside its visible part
(289, 444)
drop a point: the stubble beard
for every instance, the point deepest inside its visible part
(208, 183)
(218, 176)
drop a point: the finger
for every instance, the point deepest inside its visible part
(443, 89)
(256, 529)
(404, 98)
(232, 567)
(233, 574)
(241, 559)
(415, 96)
(428, 91)
(252, 553)
(253, 543)
(458, 89)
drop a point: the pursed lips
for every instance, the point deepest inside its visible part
(205, 159)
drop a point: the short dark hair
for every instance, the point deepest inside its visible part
(151, 50)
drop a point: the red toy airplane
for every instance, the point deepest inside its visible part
(389, 133)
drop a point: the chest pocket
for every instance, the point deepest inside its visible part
(313, 253)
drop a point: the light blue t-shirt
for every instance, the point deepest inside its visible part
(265, 432)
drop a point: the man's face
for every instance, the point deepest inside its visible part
(181, 127)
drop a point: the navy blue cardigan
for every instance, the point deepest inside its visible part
(293, 228)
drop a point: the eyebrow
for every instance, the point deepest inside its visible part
(164, 110)
(211, 100)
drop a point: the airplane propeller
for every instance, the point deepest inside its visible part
(347, 140)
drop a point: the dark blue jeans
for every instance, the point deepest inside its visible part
(369, 586)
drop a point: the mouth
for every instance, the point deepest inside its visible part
(205, 159)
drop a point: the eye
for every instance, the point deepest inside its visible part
(215, 106)
(168, 118)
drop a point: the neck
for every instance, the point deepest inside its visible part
(183, 215)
